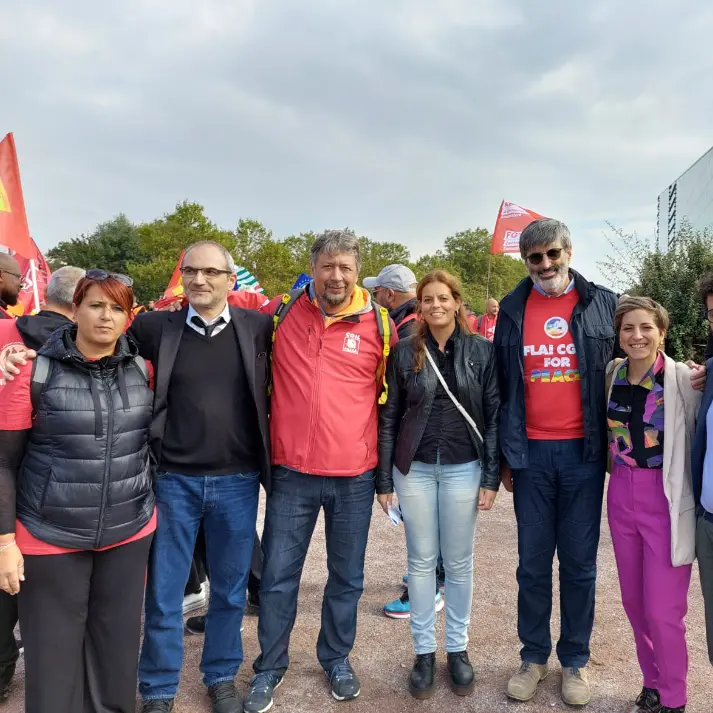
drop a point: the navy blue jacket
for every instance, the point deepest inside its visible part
(700, 442)
(592, 326)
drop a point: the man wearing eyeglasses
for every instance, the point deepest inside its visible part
(210, 441)
(10, 284)
(554, 338)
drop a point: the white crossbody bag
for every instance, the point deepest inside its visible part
(455, 401)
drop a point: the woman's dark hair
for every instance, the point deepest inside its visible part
(453, 285)
(705, 288)
(114, 289)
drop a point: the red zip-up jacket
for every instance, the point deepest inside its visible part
(323, 418)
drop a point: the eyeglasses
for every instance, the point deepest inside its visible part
(101, 275)
(552, 254)
(14, 274)
(709, 315)
(210, 273)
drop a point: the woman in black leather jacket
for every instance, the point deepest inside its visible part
(440, 452)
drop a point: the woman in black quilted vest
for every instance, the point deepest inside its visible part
(77, 507)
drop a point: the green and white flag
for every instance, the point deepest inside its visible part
(247, 281)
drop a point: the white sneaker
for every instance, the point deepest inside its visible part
(197, 600)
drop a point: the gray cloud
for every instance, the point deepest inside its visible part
(405, 120)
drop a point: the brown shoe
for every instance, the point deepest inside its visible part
(575, 687)
(523, 685)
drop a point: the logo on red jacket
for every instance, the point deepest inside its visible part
(351, 343)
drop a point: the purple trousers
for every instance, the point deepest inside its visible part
(654, 593)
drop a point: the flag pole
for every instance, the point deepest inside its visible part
(35, 291)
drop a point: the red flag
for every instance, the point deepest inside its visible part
(14, 233)
(174, 290)
(35, 279)
(512, 220)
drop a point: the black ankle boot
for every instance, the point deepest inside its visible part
(462, 676)
(423, 676)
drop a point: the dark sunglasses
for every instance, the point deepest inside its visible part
(100, 275)
(552, 254)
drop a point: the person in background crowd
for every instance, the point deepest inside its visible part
(702, 466)
(395, 288)
(210, 440)
(444, 465)
(652, 418)
(486, 323)
(28, 331)
(151, 305)
(553, 438)
(77, 506)
(10, 284)
(472, 318)
(138, 309)
(328, 370)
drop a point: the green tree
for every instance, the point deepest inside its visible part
(111, 246)
(670, 278)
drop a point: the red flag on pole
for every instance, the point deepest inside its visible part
(36, 275)
(512, 220)
(174, 291)
(14, 233)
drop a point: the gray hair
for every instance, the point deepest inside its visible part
(229, 261)
(336, 242)
(544, 232)
(62, 284)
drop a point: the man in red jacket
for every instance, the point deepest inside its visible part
(10, 284)
(328, 356)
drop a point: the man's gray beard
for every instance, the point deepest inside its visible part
(557, 283)
(333, 300)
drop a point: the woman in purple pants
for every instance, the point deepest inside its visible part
(651, 416)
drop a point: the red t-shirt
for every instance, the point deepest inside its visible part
(486, 328)
(553, 395)
(16, 415)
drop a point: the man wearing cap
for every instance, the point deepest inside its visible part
(395, 288)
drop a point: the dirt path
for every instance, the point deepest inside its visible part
(383, 653)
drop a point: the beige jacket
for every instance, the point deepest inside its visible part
(681, 404)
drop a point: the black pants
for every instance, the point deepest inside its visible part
(199, 567)
(8, 648)
(80, 618)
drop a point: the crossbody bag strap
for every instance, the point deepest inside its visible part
(455, 401)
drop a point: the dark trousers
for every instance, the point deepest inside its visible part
(704, 553)
(8, 647)
(226, 506)
(80, 618)
(291, 515)
(558, 506)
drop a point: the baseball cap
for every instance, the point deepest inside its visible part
(392, 277)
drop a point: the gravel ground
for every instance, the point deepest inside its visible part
(383, 653)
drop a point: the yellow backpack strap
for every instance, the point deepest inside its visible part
(384, 326)
(288, 299)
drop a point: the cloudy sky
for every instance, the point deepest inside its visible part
(405, 119)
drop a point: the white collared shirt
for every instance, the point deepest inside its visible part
(224, 315)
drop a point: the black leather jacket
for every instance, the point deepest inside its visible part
(402, 419)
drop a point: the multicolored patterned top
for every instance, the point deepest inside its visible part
(635, 417)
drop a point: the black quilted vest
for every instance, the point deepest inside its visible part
(85, 482)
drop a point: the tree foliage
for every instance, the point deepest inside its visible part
(149, 253)
(671, 279)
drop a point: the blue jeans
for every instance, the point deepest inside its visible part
(558, 506)
(226, 505)
(439, 504)
(290, 517)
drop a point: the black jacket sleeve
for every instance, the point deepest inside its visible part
(390, 415)
(12, 451)
(490, 479)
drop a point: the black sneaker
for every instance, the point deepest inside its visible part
(260, 692)
(158, 705)
(648, 701)
(345, 683)
(462, 676)
(196, 625)
(666, 709)
(252, 606)
(423, 676)
(225, 698)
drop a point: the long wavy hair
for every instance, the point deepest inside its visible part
(421, 332)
